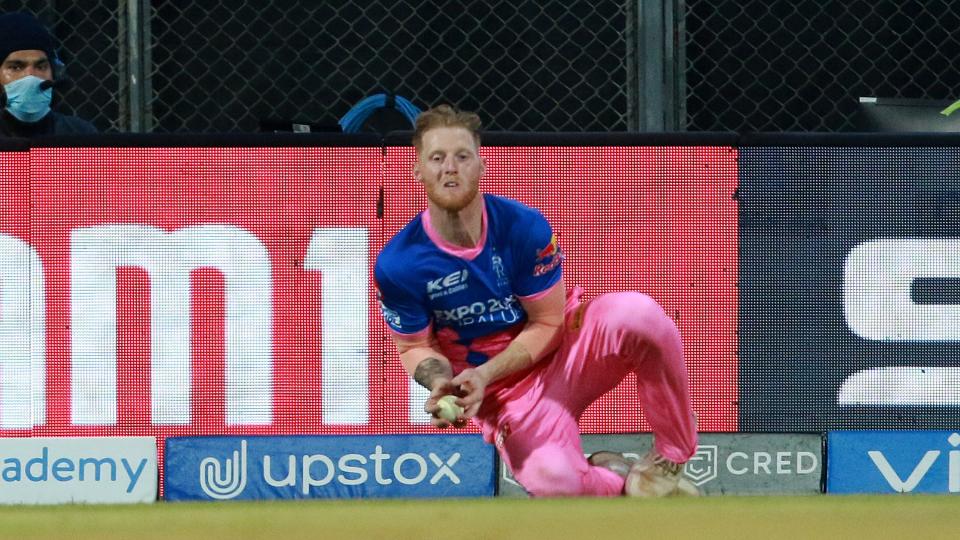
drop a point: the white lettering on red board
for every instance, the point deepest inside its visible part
(339, 254)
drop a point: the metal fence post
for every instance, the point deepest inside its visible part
(677, 66)
(654, 65)
(135, 85)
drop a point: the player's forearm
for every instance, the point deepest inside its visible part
(535, 342)
(432, 369)
(415, 350)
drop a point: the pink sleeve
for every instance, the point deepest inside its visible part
(545, 300)
(416, 347)
(545, 321)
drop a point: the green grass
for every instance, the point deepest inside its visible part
(872, 517)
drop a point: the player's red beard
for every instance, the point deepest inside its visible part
(452, 198)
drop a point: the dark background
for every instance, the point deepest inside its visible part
(801, 211)
(751, 65)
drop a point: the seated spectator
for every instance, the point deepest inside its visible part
(29, 61)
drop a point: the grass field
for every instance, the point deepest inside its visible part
(874, 517)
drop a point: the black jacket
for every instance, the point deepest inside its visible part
(53, 123)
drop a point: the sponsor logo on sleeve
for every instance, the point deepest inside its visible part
(551, 256)
(550, 250)
(391, 317)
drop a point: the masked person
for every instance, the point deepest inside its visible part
(28, 61)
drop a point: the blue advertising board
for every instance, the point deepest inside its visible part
(893, 462)
(300, 467)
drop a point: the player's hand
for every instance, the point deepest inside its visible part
(472, 384)
(443, 387)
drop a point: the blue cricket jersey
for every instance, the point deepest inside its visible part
(420, 283)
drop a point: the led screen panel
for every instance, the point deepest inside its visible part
(849, 271)
(660, 220)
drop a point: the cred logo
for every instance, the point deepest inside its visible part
(702, 467)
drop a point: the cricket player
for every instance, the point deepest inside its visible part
(473, 293)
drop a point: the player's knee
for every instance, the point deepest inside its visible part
(638, 318)
(550, 480)
(548, 473)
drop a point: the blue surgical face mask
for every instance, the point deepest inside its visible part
(26, 101)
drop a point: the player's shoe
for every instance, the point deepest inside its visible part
(612, 461)
(657, 476)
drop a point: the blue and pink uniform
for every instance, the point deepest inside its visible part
(472, 300)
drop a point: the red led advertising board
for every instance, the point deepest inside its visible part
(176, 291)
(660, 220)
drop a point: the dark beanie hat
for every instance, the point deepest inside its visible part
(23, 32)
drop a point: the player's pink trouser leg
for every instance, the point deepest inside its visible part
(536, 428)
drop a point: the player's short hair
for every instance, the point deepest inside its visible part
(445, 116)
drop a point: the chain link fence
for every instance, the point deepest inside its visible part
(234, 65)
(801, 65)
(527, 65)
(549, 65)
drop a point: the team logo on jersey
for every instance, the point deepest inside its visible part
(391, 317)
(498, 269)
(551, 255)
(449, 284)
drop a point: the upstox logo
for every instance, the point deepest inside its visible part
(317, 466)
(228, 481)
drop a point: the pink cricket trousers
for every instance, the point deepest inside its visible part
(534, 423)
